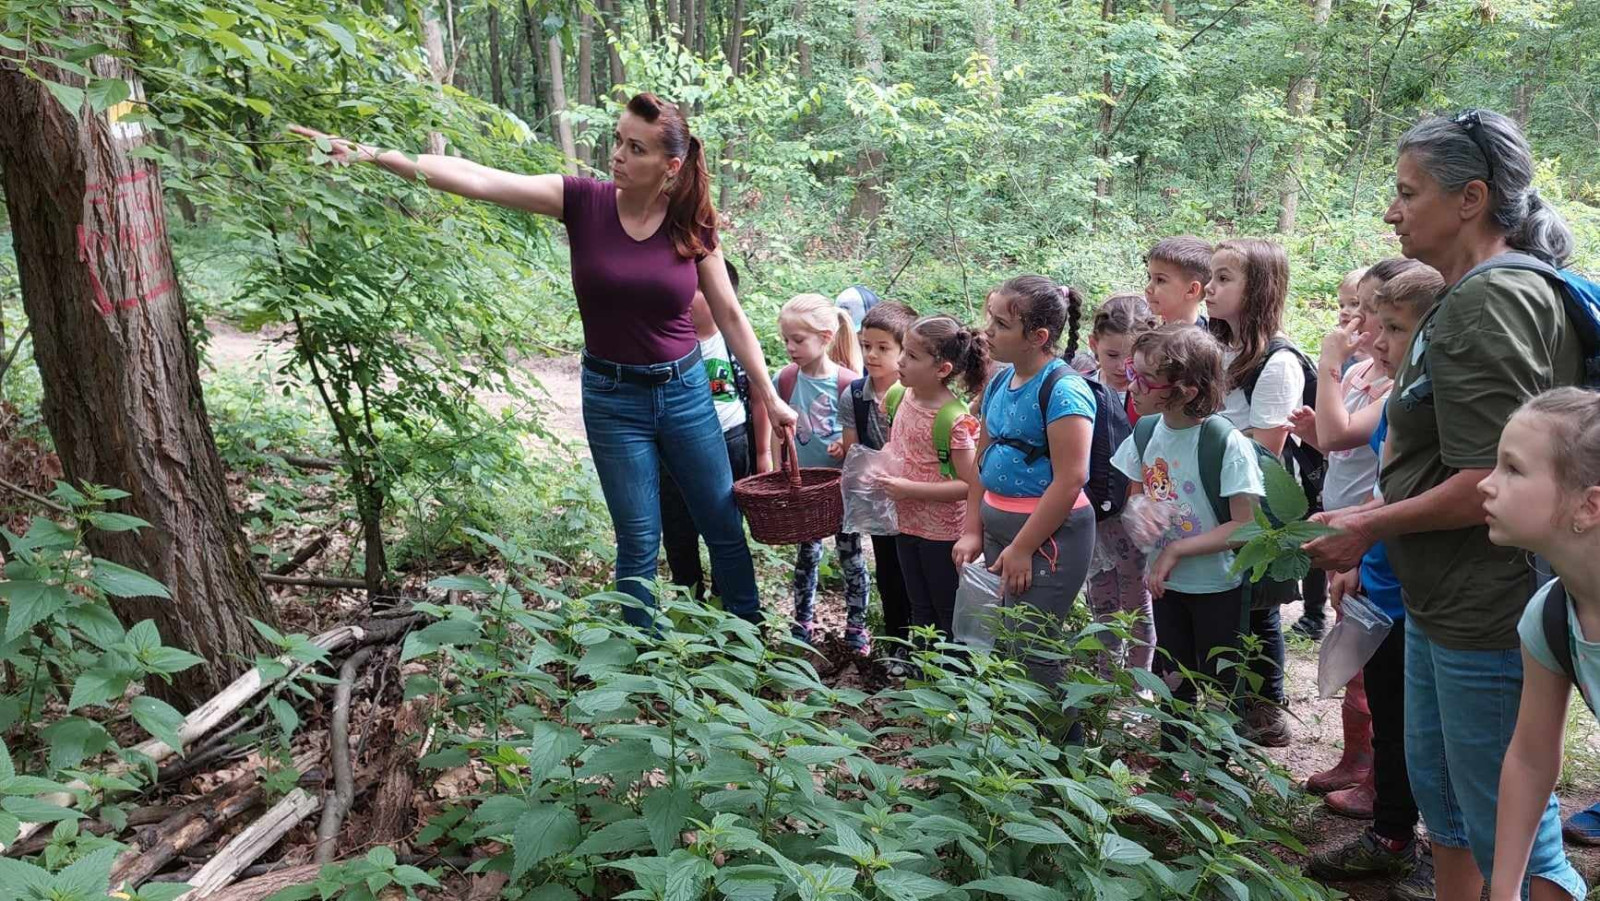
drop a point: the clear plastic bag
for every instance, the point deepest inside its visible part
(1147, 522)
(1351, 642)
(977, 603)
(868, 509)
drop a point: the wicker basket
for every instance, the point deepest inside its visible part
(793, 504)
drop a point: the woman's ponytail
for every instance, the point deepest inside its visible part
(1541, 231)
(691, 219)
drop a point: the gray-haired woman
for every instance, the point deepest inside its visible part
(1464, 203)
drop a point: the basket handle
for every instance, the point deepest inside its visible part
(788, 460)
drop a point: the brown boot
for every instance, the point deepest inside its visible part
(1355, 802)
(1355, 765)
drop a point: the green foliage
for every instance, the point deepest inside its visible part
(362, 880)
(705, 760)
(63, 641)
(1275, 544)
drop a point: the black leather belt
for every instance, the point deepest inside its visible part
(647, 375)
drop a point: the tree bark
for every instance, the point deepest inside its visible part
(497, 91)
(558, 104)
(735, 49)
(655, 20)
(1302, 91)
(690, 29)
(586, 78)
(867, 203)
(122, 394)
(1102, 182)
(802, 46)
(611, 21)
(983, 31)
(438, 68)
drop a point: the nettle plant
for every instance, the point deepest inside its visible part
(63, 645)
(701, 762)
(1274, 544)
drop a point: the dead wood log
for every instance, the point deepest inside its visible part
(392, 809)
(303, 556)
(263, 887)
(328, 582)
(333, 812)
(248, 846)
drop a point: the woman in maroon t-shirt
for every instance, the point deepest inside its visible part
(641, 245)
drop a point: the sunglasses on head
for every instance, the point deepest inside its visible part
(1472, 124)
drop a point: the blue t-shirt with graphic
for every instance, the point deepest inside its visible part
(1014, 413)
(816, 403)
(1377, 577)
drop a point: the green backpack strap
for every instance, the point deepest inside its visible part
(1214, 434)
(1142, 430)
(943, 424)
(891, 400)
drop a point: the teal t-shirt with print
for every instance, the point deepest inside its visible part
(816, 404)
(1585, 653)
(1014, 413)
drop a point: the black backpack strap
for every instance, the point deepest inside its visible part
(1032, 453)
(1278, 343)
(1558, 634)
(863, 410)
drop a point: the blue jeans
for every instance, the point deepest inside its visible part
(1460, 712)
(635, 429)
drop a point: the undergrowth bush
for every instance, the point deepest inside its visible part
(702, 760)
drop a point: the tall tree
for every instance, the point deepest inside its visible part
(611, 21)
(1302, 91)
(802, 45)
(497, 91)
(585, 76)
(121, 379)
(1108, 103)
(558, 103)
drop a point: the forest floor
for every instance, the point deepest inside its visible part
(1318, 736)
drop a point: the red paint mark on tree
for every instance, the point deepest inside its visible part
(138, 220)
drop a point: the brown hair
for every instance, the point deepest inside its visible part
(1573, 415)
(1042, 304)
(1384, 270)
(1191, 255)
(1123, 314)
(1187, 357)
(691, 219)
(965, 349)
(1414, 291)
(1266, 292)
(890, 316)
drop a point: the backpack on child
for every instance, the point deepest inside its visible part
(1558, 635)
(1107, 487)
(1310, 466)
(1214, 432)
(943, 423)
(1579, 296)
(790, 374)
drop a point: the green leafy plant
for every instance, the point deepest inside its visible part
(362, 879)
(704, 760)
(1275, 543)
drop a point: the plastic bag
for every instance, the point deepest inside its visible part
(868, 509)
(977, 603)
(1351, 642)
(1147, 522)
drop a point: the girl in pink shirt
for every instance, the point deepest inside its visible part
(934, 439)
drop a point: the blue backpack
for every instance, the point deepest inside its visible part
(1580, 297)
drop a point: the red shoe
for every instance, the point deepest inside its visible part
(1355, 765)
(1356, 802)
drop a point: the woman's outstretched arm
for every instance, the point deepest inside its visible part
(541, 194)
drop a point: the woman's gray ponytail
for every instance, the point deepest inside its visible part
(1486, 146)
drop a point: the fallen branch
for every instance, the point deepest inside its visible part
(268, 885)
(36, 498)
(313, 582)
(303, 556)
(195, 726)
(344, 788)
(246, 847)
(304, 462)
(456, 862)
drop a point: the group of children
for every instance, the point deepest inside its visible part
(993, 432)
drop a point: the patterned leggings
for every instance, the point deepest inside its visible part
(854, 564)
(1121, 589)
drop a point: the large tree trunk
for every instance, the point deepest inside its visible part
(497, 91)
(558, 104)
(1302, 91)
(735, 49)
(121, 383)
(803, 46)
(867, 203)
(438, 67)
(690, 29)
(611, 20)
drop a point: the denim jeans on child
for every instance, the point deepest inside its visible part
(1461, 709)
(638, 418)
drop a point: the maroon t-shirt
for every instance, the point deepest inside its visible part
(633, 296)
